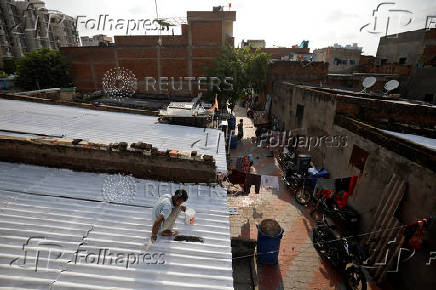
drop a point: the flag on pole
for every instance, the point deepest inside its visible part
(215, 106)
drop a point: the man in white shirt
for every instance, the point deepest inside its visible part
(165, 212)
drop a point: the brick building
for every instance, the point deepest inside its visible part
(299, 72)
(179, 56)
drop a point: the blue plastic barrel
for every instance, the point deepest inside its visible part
(234, 142)
(268, 247)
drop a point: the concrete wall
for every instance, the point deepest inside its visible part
(91, 157)
(408, 44)
(422, 85)
(332, 54)
(419, 47)
(324, 115)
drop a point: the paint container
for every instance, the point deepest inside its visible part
(189, 216)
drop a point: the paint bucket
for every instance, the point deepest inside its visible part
(189, 216)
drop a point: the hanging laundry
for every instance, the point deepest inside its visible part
(252, 179)
(237, 177)
(416, 239)
(269, 182)
(414, 233)
(344, 189)
(325, 187)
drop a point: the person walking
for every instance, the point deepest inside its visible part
(241, 129)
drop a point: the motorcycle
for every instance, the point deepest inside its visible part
(286, 160)
(344, 253)
(347, 217)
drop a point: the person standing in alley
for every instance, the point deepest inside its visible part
(241, 129)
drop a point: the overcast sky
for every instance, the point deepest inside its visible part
(279, 23)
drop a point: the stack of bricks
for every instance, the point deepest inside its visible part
(139, 159)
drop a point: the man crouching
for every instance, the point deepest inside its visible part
(165, 212)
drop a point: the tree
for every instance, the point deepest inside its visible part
(43, 69)
(247, 69)
(9, 65)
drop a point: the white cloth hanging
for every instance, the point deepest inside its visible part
(269, 182)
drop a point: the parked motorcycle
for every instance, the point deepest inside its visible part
(296, 171)
(286, 160)
(344, 253)
(347, 217)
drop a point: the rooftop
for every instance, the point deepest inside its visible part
(103, 126)
(44, 209)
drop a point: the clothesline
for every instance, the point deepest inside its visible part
(329, 241)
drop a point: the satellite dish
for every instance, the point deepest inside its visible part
(391, 85)
(367, 83)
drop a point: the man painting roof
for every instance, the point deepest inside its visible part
(165, 212)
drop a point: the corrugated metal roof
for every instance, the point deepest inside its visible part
(73, 122)
(63, 211)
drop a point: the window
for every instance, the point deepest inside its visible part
(299, 116)
(428, 98)
(384, 61)
(352, 62)
(402, 60)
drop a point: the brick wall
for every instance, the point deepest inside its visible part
(313, 72)
(91, 157)
(186, 55)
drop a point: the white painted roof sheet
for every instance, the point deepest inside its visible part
(52, 213)
(421, 140)
(73, 122)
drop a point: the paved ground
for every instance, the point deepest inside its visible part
(299, 264)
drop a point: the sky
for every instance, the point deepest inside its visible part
(280, 23)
